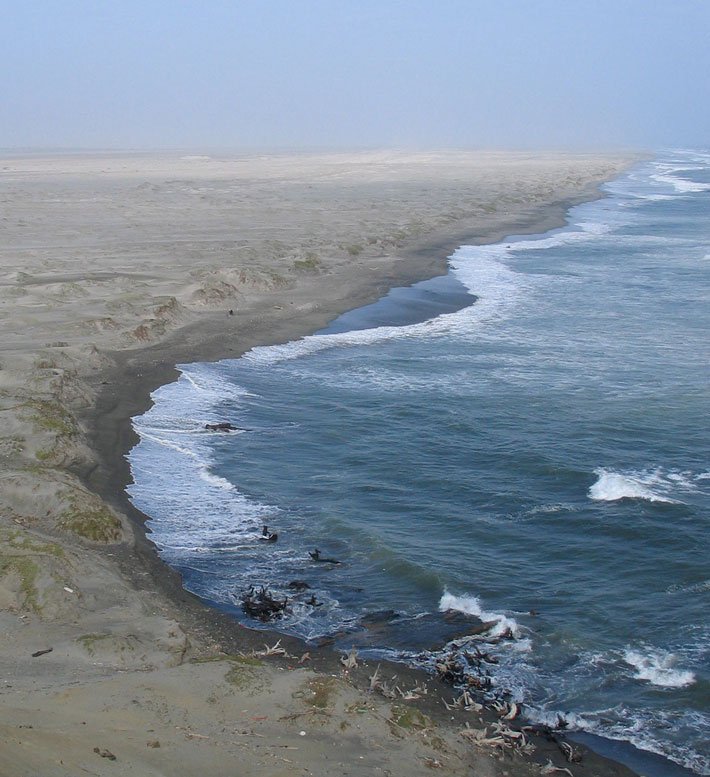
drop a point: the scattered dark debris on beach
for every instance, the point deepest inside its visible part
(262, 605)
(105, 753)
(464, 670)
(464, 665)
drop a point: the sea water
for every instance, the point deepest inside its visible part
(524, 439)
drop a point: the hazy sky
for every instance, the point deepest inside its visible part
(354, 73)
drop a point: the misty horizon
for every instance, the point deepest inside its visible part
(328, 76)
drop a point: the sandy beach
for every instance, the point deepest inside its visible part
(114, 268)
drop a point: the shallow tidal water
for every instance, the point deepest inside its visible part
(524, 439)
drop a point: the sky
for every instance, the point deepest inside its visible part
(328, 74)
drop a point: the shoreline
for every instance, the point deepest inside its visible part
(120, 387)
(112, 422)
(109, 422)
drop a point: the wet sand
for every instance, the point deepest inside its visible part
(113, 268)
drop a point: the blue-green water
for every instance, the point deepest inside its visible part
(538, 443)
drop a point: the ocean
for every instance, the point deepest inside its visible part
(524, 439)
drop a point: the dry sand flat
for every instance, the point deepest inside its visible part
(113, 268)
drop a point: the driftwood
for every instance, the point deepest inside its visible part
(316, 556)
(262, 605)
(268, 536)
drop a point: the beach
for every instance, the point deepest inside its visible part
(116, 267)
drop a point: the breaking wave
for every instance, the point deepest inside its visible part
(658, 668)
(654, 486)
(471, 605)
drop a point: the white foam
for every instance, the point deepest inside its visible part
(471, 605)
(207, 382)
(681, 185)
(691, 588)
(481, 269)
(495, 285)
(147, 435)
(658, 668)
(651, 485)
(216, 480)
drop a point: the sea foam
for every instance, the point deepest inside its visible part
(681, 185)
(653, 486)
(658, 668)
(471, 605)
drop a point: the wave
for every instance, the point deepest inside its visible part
(654, 486)
(481, 269)
(667, 174)
(658, 668)
(471, 605)
(623, 724)
(207, 383)
(682, 185)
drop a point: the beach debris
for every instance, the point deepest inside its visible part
(105, 753)
(316, 556)
(223, 426)
(350, 660)
(305, 657)
(374, 678)
(572, 754)
(541, 729)
(505, 710)
(464, 701)
(262, 605)
(267, 536)
(415, 693)
(68, 590)
(274, 650)
(153, 743)
(381, 687)
(478, 656)
(501, 736)
(38, 653)
(512, 713)
(455, 669)
(550, 768)
(480, 737)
